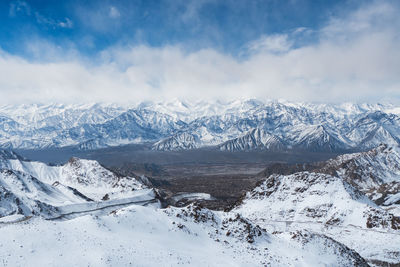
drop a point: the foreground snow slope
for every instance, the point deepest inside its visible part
(143, 236)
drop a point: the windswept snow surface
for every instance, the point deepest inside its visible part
(328, 205)
(144, 236)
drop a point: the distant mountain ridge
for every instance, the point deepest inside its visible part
(178, 125)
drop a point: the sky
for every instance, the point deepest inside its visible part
(130, 51)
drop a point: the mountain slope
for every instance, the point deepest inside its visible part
(179, 141)
(328, 205)
(367, 169)
(22, 193)
(254, 139)
(29, 187)
(316, 138)
(314, 197)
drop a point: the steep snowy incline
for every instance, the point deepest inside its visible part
(367, 169)
(376, 173)
(94, 180)
(29, 187)
(21, 193)
(87, 176)
(326, 205)
(314, 197)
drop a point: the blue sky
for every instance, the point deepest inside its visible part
(205, 48)
(92, 26)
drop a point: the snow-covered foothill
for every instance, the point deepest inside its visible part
(35, 188)
(327, 205)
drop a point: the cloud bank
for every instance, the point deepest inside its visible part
(354, 57)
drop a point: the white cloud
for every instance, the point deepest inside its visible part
(114, 12)
(19, 7)
(100, 18)
(65, 24)
(273, 43)
(45, 51)
(354, 60)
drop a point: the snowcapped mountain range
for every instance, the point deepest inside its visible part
(177, 125)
